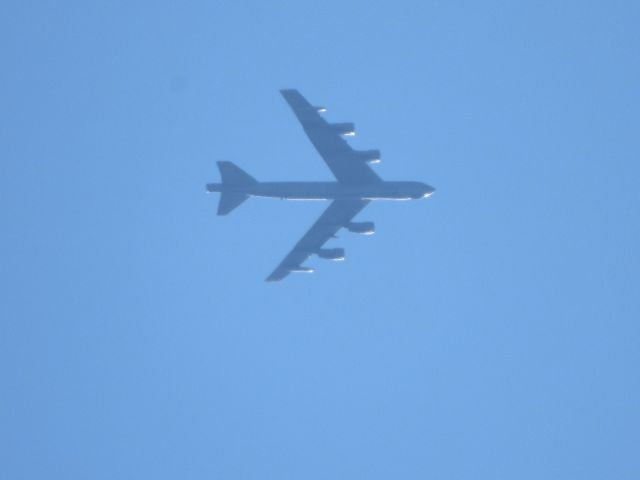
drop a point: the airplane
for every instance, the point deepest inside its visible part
(356, 186)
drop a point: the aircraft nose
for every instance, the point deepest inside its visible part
(428, 191)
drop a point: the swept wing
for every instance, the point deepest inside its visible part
(336, 216)
(347, 165)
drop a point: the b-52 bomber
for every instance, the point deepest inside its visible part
(357, 185)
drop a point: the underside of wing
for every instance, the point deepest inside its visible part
(348, 165)
(339, 214)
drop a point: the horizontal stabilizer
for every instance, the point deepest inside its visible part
(229, 201)
(233, 175)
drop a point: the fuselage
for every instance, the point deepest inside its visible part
(329, 190)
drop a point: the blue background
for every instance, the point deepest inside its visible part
(490, 331)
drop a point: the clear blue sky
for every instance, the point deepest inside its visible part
(488, 332)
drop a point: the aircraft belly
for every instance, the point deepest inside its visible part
(328, 191)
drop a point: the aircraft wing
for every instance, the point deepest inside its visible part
(336, 216)
(348, 165)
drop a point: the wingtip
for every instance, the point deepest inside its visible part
(289, 94)
(276, 276)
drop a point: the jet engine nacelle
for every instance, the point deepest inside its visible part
(369, 156)
(347, 128)
(301, 269)
(331, 253)
(364, 228)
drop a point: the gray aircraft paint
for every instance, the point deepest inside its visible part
(357, 184)
(328, 190)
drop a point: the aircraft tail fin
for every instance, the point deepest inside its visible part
(229, 201)
(233, 175)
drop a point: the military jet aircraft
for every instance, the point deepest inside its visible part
(357, 184)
